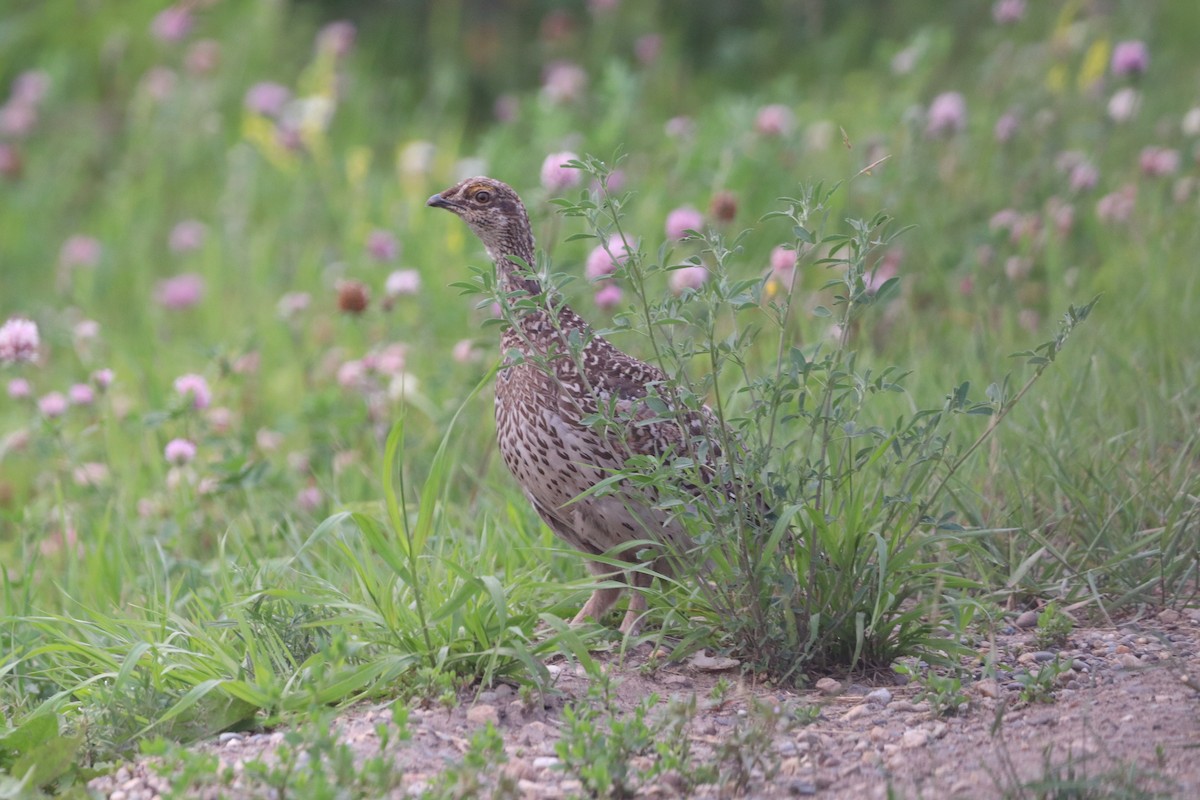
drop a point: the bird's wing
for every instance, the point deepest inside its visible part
(638, 395)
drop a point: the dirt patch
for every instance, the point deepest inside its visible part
(1116, 710)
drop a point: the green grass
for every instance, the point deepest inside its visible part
(316, 552)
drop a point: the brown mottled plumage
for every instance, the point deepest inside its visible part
(545, 395)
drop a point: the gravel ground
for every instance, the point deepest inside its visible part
(1125, 710)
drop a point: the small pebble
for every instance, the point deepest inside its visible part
(914, 739)
(859, 711)
(1129, 661)
(1027, 619)
(880, 696)
(483, 714)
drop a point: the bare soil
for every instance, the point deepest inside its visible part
(1124, 720)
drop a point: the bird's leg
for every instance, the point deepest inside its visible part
(603, 598)
(637, 602)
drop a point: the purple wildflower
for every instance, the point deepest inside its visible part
(1008, 12)
(53, 405)
(556, 177)
(103, 378)
(194, 388)
(172, 24)
(774, 120)
(187, 235)
(563, 81)
(692, 276)
(180, 292)
(1130, 58)
(681, 220)
(600, 264)
(382, 245)
(80, 251)
(180, 451)
(947, 114)
(608, 296)
(267, 98)
(19, 389)
(337, 38)
(80, 394)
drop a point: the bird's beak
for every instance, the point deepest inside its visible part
(437, 201)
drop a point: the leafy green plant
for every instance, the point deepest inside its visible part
(420, 604)
(478, 772)
(1038, 685)
(311, 761)
(597, 746)
(749, 748)
(600, 745)
(1053, 627)
(813, 524)
(36, 754)
(1069, 778)
(944, 693)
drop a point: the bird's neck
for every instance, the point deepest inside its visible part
(516, 281)
(515, 262)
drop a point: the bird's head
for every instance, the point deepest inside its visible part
(494, 212)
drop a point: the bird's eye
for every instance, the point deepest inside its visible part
(483, 196)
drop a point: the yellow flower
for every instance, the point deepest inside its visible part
(358, 164)
(260, 132)
(1095, 62)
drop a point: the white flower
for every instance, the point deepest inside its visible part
(402, 281)
(19, 341)
(1124, 104)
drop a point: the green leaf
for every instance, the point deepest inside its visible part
(48, 761)
(33, 732)
(889, 289)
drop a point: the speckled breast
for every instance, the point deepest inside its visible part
(554, 459)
